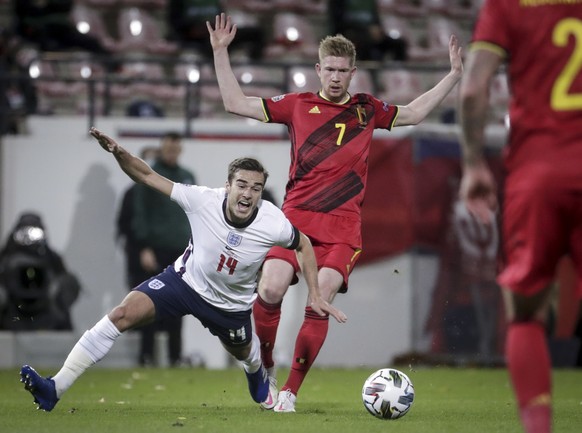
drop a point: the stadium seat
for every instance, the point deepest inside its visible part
(439, 31)
(261, 81)
(387, 6)
(303, 79)
(436, 6)
(140, 32)
(252, 6)
(148, 79)
(362, 82)
(400, 86)
(55, 93)
(300, 6)
(89, 21)
(102, 4)
(294, 38)
(206, 100)
(410, 8)
(145, 4)
(399, 27)
(461, 9)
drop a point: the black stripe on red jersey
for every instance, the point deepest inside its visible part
(330, 198)
(322, 143)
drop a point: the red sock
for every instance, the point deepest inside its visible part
(309, 341)
(528, 361)
(267, 317)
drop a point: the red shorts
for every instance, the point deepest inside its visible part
(340, 257)
(540, 226)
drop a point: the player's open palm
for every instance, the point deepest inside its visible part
(105, 141)
(322, 307)
(455, 55)
(223, 33)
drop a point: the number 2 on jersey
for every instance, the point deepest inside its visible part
(229, 262)
(562, 99)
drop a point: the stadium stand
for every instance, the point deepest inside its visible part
(154, 67)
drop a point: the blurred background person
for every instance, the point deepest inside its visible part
(48, 24)
(18, 97)
(133, 271)
(186, 21)
(359, 21)
(161, 232)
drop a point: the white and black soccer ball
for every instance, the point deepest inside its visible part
(388, 393)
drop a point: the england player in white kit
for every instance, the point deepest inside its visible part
(214, 280)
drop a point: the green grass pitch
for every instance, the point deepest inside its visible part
(447, 400)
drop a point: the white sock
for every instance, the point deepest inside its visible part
(93, 345)
(253, 361)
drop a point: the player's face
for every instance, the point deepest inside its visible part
(244, 193)
(335, 74)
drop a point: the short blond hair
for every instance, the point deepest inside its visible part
(337, 46)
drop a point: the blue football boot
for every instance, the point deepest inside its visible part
(42, 389)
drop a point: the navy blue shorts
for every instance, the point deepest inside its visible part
(172, 297)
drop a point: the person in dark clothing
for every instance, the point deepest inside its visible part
(187, 25)
(161, 233)
(17, 92)
(134, 272)
(48, 24)
(36, 290)
(358, 20)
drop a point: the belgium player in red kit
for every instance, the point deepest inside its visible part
(541, 42)
(331, 132)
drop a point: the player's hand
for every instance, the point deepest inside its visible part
(478, 192)
(455, 55)
(105, 141)
(322, 307)
(223, 33)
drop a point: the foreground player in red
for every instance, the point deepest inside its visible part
(542, 211)
(331, 132)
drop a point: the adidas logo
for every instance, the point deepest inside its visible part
(315, 110)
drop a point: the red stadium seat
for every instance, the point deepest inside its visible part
(303, 79)
(293, 38)
(362, 82)
(140, 32)
(400, 86)
(261, 81)
(89, 21)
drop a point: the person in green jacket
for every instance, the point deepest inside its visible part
(161, 232)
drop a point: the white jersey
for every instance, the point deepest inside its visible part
(223, 259)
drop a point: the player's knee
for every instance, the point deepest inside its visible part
(271, 291)
(240, 353)
(118, 314)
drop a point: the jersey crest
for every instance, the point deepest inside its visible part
(234, 239)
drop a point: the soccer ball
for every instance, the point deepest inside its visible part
(388, 393)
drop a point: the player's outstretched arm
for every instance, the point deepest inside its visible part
(308, 264)
(416, 111)
(137, 169)
(233, 98)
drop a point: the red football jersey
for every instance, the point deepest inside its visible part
(330, 144)
(542, 40)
